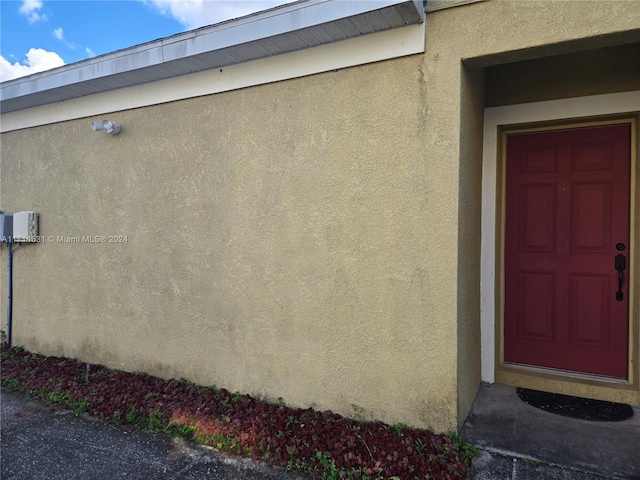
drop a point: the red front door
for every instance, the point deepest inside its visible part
(567, 218)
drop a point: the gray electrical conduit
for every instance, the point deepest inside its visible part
(10, 251)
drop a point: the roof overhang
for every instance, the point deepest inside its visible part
(288, 28)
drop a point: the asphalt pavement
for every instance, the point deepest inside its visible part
(41, 442)
(516, 442)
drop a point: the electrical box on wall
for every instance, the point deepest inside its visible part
(6, 228)
(25, 226)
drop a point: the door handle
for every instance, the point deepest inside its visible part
(620, 265)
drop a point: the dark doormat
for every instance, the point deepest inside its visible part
(576, 407)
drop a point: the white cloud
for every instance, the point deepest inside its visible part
(59, 34)
(90, 52)
(37, 60)
(30, 8)
(198, 13)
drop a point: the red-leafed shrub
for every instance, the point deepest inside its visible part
(323, 444)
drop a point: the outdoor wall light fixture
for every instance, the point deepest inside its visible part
(112, 128)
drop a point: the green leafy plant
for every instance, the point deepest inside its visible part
(358, 412)
(184, 381)
(81, 407)
(331, 472)
(237, 397)
(400, 427)
(155, 421)
(186, 432)
(467, 450)
(133, 416)
(11, 383)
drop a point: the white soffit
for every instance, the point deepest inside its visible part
(288, 28)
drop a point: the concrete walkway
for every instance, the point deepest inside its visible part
(519, 441)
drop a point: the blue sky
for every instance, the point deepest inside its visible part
(37, 35)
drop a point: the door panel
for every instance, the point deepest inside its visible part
(567, 206)
(590, 307)
(537, 305)
(538, 217)
(590, 217)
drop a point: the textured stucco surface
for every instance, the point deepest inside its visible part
(315, 239)
(278, 243)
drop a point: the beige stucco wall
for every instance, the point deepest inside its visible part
(279, 243)
(315, 239)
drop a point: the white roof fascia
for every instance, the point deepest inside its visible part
(248, 38)
(362, 50)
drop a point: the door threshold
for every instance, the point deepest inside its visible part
(567, 373)
(569, 383)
